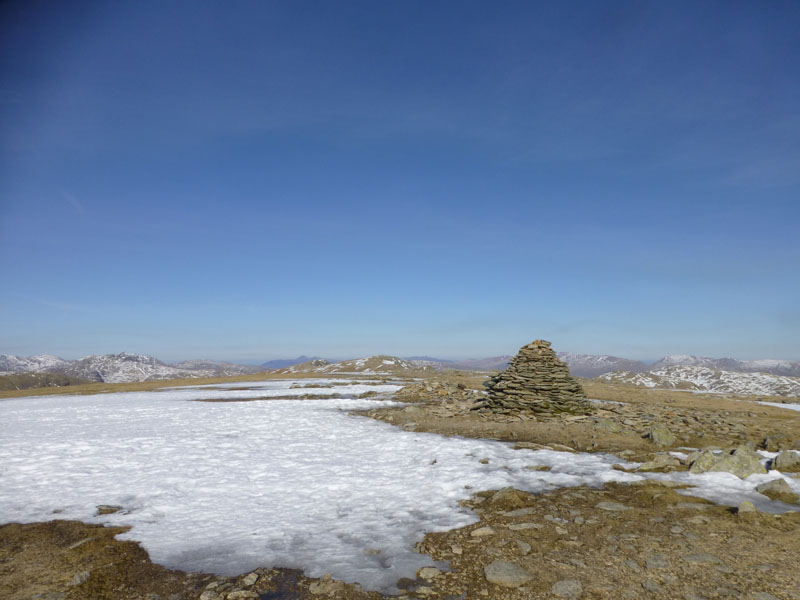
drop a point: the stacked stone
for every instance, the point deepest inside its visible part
(536, 381)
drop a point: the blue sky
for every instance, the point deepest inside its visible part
(252, 180)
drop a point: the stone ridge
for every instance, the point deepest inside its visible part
(537, 381)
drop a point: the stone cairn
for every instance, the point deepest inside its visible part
(536, 381)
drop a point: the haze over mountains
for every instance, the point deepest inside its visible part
(127, 367)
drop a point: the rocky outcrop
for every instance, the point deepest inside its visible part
(536, 381)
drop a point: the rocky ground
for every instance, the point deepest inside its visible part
(623, 541)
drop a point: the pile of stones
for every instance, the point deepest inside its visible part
(536, 381)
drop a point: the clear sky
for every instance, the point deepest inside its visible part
(250, 180)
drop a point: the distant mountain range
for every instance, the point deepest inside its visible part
(592, 365)
(126, 367)
(370, 365)
(708, 379)
(581, 365)
(120, 368)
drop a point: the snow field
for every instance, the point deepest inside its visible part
(228, 487)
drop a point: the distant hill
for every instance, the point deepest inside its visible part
(281, 363)
(371, 365)
(28, 380)
(592, 365)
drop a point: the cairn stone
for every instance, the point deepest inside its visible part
(536, 381)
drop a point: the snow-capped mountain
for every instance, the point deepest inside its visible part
(119, 368)
(705, 379)
(592, 365)
(790, 368)
(36, 364)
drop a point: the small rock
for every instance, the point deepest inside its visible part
(107, 509)
(510, 497)
(520, 512)
(746, 507)
(658, 561)
(612, 506)
(632, 565)
(483, 532)
(250, 579)
(764, 596)
(524, 526)
(456, 549)
(241, 595)
(80, 578)
(567, 588)
(742, 462)
(428, 573)
(652, 586)
(506, 574)
(660, 435)
(524, 547)
(703, 558)
(787, 461)
(659, 463)
(80, 543)
(778, 489)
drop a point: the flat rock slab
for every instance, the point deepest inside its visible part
(568, 588)
(506, 574)
(612, 506)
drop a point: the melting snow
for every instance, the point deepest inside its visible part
(780, 405)
(228, 487)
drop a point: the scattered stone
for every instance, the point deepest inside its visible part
(80, 578)
(107, 509)
(660, 435)
(520, 512)
(632, 565)
(746, 507)
(250, 579)
(703, 558)
(510, 497)
(536, 381)
(506, 574)
(524, 547)
(787, 461)
(562, 448)
(778, 489)
(567, 588)
(80, 543)
(660, 463)
(612, 506)
(428, 573)
(241, 595)
(652, 586)
(483, 532)
(741, 462)
(326, 586)
(524, 526)
(658, 561)
(773, 443)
